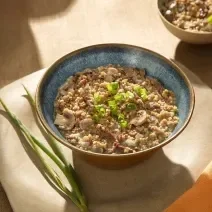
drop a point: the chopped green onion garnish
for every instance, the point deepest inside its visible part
(137, 88)
(123, 123)
(112, 104)
(119, 97)
(101, 111)
(131, 106)
(97, 98)
(209, 19)
(121, 117)
(129, 95)
(142, 92)
(113, 107)
(113, 87)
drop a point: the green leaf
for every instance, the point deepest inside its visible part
(113, 107)
(119, 97)
(129, 95)
(209, 19)
(113, 87)
(131, 106)
(121, 117)
(122, 122)
(112, 104)
(137, 88)
(100, 110)
(142, 92)
(97, 98)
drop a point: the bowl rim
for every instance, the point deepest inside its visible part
(64, 142)
(172, 25)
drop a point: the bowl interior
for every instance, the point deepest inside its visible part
(125, 55)
(197, 34)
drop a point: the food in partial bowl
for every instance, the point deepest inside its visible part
(191, 15)
(115, 110)
(160, 79)
(189, 20)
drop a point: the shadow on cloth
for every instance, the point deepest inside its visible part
(152, 185)
(197, 58)
(19, 54)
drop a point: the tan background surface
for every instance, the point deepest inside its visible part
(34, 33)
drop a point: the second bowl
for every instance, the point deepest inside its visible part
(184, 35)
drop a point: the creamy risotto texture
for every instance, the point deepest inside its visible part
(115, 110)
(190, 15)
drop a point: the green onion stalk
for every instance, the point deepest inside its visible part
(76, 195)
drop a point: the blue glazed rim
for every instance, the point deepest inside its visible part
(126, 46)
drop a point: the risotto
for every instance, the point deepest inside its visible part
(115, 110)
(191, 15)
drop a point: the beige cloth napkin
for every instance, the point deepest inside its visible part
(150, 186)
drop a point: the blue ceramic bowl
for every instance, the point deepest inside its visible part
(156, 66)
